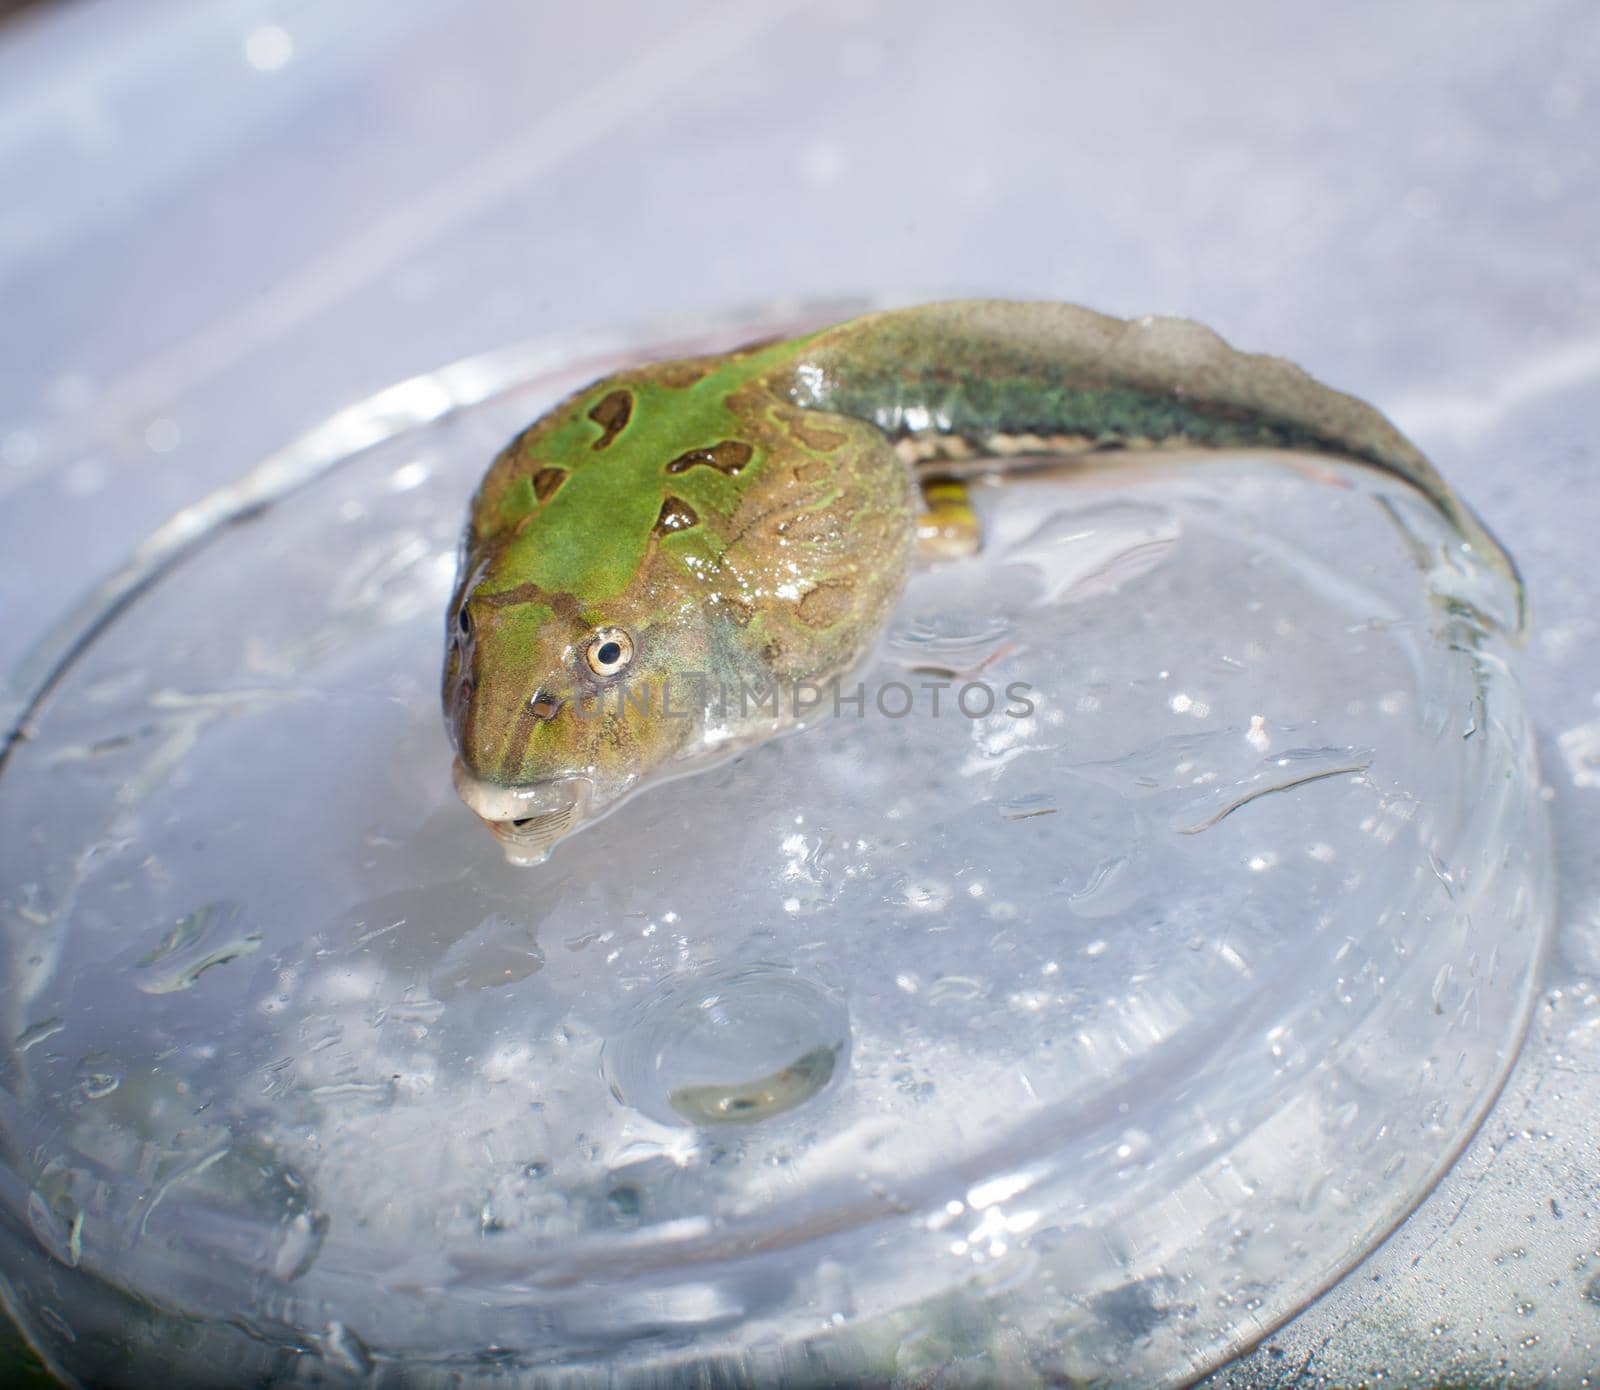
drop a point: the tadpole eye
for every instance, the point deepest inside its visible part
(609, 650)
(464, 621)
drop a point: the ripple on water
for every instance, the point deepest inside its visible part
(729, 1046)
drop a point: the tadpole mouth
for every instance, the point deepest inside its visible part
(526, 820)
(529, 839)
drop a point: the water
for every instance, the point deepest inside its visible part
(1096, 1027)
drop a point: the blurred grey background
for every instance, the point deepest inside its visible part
(224, 219)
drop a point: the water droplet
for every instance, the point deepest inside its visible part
(927, 896)
(303, 1235)
(343, 1347)
(1133, 1146)
(730, 1046)
(954, 989)
(36, 1033)
(57, 1224)
(1026, 807)
(52, 1318)
(97, 1085)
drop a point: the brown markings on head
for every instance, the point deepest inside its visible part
(679, 376)
(465, 714)
(563, 604)
(523, 593)
(676, 515)
(812, 435)
(547, 480)
(518, 744)
(727, 457)
(824, 605)
(612, 414)
(810, 472)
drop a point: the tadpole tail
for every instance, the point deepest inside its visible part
(997, 377)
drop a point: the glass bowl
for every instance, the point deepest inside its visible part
(1086, 1032)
